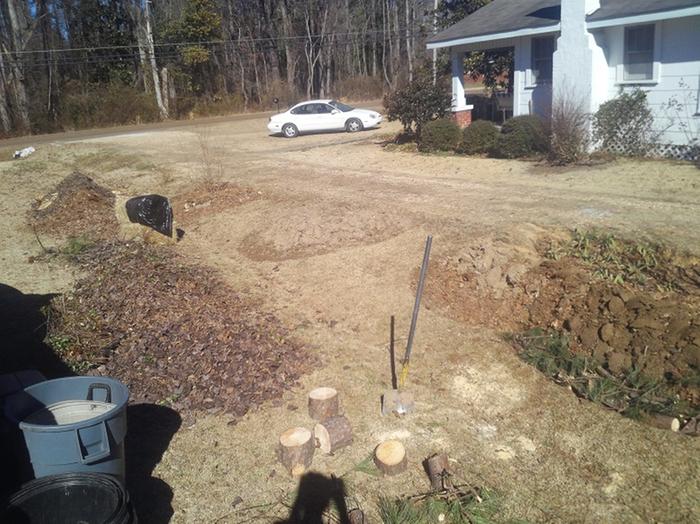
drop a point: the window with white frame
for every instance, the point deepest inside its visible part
(542, 51)
(639, 53)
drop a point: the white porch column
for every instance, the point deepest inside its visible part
(461, 112)
(459, 101)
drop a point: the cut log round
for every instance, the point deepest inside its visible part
(390, 457)
(323, 403)
(296, 449)
(356, 516)
(438, 468)
(665, 422)
(332, 434)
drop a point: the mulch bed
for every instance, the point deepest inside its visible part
(77, 207)
(173, 332)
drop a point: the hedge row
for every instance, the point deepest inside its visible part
(520, 137)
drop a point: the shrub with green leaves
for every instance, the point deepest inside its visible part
(440, 135)
(624, 124)
(478, 138)
(417, 103)
(521, 137)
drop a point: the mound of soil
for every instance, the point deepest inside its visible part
(648, 321)
(173, 332)
(78, 207)
(210, 199)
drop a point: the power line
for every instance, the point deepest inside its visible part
(213, 42)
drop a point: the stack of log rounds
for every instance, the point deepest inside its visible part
(332, 434)
(323, 403)
(296, 449)
(390, 457)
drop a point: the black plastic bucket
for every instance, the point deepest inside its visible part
(70, 498)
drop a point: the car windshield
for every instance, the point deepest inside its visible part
(344, 108)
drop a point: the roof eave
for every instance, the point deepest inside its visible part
(494, 36)
(644, 18)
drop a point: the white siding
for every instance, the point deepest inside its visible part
(529, 98)
(677, 76)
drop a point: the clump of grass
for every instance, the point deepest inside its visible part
(76, 245)
(634, 395)
(612, 258)
(452, 507)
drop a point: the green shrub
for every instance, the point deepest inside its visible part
(624, 124)
(416, 104)
(521, 137)
(478, 138)
(440, 135)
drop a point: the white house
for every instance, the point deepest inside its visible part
(591, 50)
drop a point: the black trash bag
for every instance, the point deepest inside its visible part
(153, 211)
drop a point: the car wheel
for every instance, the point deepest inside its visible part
(290, 130)
(353, 125)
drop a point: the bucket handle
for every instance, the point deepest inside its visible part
(100, 385)
(103, 452)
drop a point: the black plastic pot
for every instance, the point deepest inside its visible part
(70, 498)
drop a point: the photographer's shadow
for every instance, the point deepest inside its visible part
(315, 495)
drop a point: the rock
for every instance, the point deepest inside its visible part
(692, 355)
(494, 279)
(607, 332)
(616, 306)
(589, 337)
(573, 324)
(600, 351)
(619, 362)
(515, 273)
(622, 294)
(647, 321)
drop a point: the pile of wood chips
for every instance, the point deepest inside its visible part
(173, 332)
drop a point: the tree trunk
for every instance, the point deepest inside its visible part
(16, 77)
(408, 41)
(152, 57)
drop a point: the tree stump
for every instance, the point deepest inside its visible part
(438, 468)
(332, 434)
(296, 450)
(323, 403)
(390, 457)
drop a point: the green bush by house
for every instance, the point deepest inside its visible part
(521, 137)
(478, 138)
(440, 135)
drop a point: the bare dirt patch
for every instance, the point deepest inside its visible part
(78, 206)
(210, 199)
(173, 332)
(308, 228)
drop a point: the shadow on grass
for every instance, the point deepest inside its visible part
(315, 495)
(150, 430)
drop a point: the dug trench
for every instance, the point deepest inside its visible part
(615, 320)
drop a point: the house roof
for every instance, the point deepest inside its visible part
(502, 16)
(505, 17)
(622, 8)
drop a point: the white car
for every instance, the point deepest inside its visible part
(322, 115)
